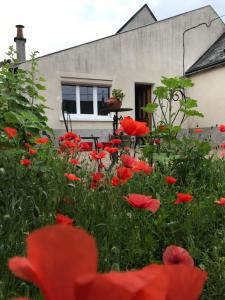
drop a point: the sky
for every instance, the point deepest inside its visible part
(52, 25)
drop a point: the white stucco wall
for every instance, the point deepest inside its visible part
(209, 90)
(142, 55)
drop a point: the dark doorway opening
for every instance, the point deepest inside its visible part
(143, 93)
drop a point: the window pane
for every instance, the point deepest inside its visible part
(69, 99)
(86, 100)
(102, 96)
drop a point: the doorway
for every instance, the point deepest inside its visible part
(143, 95)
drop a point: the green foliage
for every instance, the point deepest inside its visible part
(21, 105)
(150, 107)
(118, 93)
(175, 107)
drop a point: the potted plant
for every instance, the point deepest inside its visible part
(115, 101)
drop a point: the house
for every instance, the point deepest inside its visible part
(133, 59)
(208, 76)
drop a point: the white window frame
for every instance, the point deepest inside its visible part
(87, 117)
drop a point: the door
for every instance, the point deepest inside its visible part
(143, 94)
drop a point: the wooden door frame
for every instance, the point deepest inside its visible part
(147, 84)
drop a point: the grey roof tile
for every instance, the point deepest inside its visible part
(214, 56)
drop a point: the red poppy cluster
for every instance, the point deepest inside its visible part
(94, 155)
(11, 132)
(132, 127)
(62, 262)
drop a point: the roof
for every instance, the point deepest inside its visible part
(151, 18)
(213, 57)
(120, 33)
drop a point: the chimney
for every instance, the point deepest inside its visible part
(20, 44)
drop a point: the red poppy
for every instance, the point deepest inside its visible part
(73, 161)
(157, 141)
(100, 145)
(126, 148)
(97, 176)
(72, 177)
(222, 128)
(61, 219)
(142, 166)
(132, 127)
(116, 141)
(198, 130)
(32, 151)
(170, 180)
(43, 140)
(25, 162)
(124, 174)
(142, 201)
(111, 150)
(85, 146)
(97, 155)
(56, 256)
(183, 198)
(27, 145)
(11, 132)
(96, 179)
(177, 255)
(62, 261)
(222, 145)
(221, 201)
(115, 181)
(128, 161)
(68, 145)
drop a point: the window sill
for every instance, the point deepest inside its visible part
(89, 118)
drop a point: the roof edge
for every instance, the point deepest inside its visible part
(131, 18)
(199, 68)
(206, 67)
(112, 35)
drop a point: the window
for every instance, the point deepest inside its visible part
(85, 100)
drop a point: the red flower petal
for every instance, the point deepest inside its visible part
(170, 180)
(183, 198)
(142, 201)
(221, 128)
(177, 255)
(221, 201)
(185, 282)
(61, 219)
(149, 283)
(57, 255)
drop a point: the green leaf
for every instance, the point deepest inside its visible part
(40, 87)
(150, 107)
(192, 113)
(189, 103)
(11, 117)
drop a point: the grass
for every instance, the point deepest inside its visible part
(127, 238)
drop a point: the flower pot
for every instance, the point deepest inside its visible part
(114, 103)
